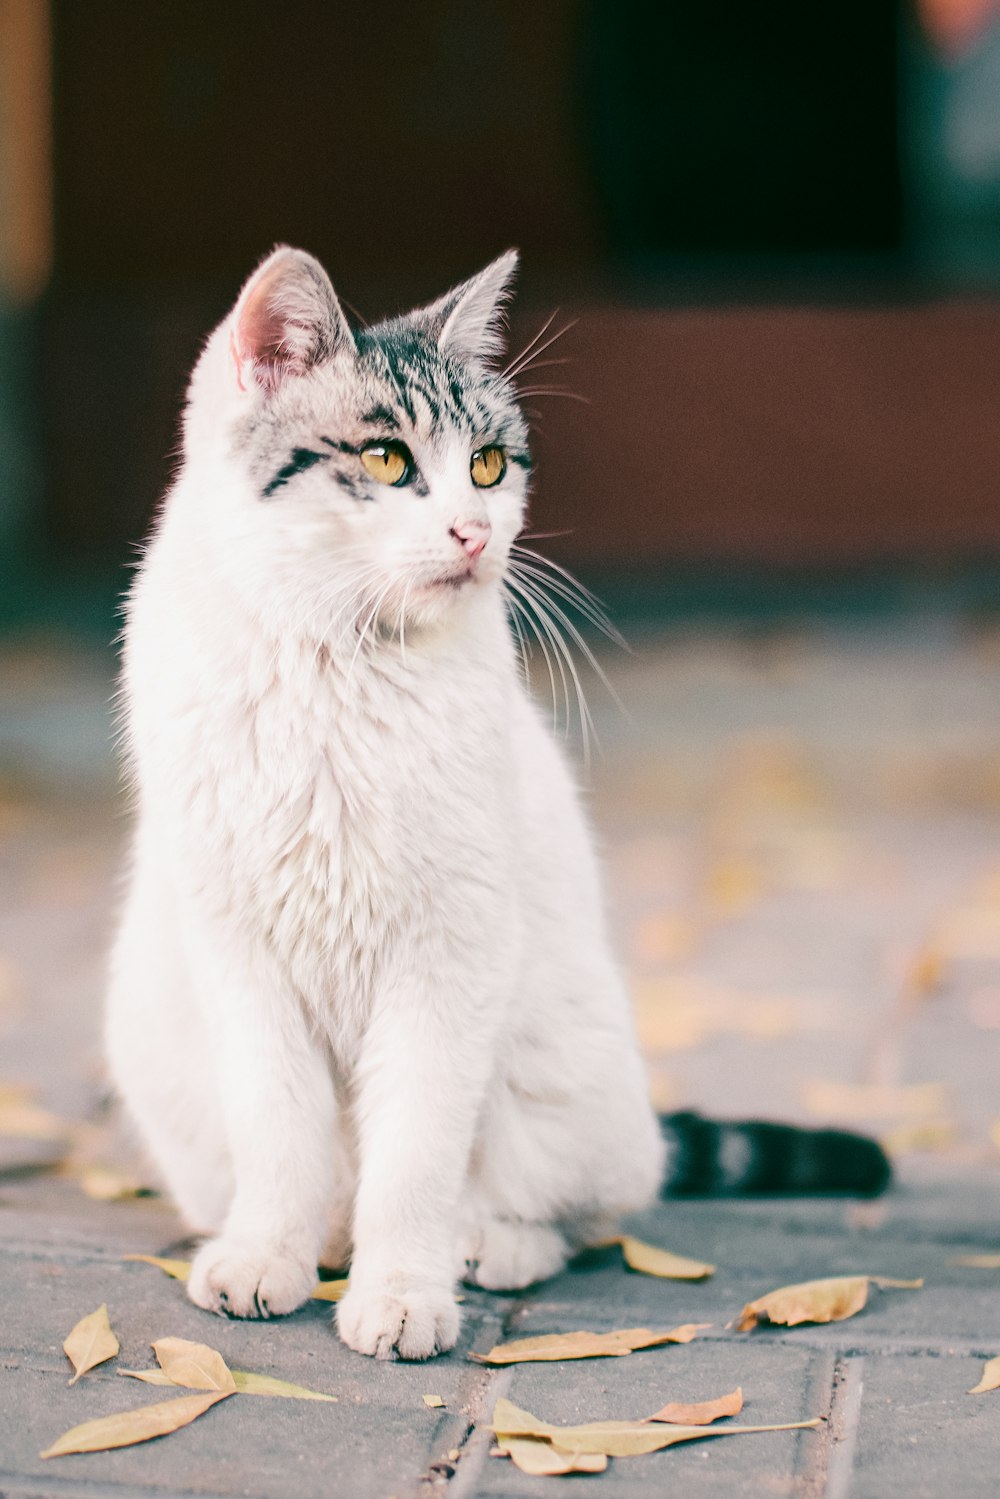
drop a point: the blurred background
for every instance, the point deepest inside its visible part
(775, 453)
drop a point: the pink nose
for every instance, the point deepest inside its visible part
(472, 536)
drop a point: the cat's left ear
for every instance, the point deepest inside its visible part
(287, 320)
(468, 320)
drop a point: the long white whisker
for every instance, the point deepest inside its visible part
(571, 589)
(522, 644)
(523, 603)
(529, 345)
(553, 390)
(587, 726)
(524, 364)
(581, 643)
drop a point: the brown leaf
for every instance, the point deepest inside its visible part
(541, 1460)
(827, 1099)
(990, 1378)
(325, 1290)
(831, 1300)
(567, 1345)
(702, 1414)
(126, 1428)
(977, 1261)
(649, 1259)
(90, 1343)
(614, 1438)
(194, 1365)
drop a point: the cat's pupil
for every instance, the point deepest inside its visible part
(390, 462)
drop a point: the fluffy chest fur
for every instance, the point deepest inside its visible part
(331, 796)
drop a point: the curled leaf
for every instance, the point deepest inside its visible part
(649, 1259)
(126, 1428)
(614, 1438)
(990, 1378)
(832, 1300)
(541, 1460)
(567, 1345)
(194, 1365)
(246, 1384)
(703, 1413)
(325, 1290)
(91, 1342)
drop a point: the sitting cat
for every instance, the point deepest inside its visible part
(363, 1002)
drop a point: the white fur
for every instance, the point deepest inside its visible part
(362, 1002)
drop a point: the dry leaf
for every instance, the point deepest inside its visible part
(194, 1365)
(126, 1428)
(264, 1384)
(541, 1460)
(566, 1345)
(325, 1290)
(648, 1259)
(22, 1119)
(927, 1134)
(329, 1290)
(107, 1184)
(831, 1300)
(179, 1269)
(432, 1401)
(702, 1414)
(90, 1343)
(990, 1379)
(614, 1438)
(977, 1261)
(827, 1099)
(246, 1384)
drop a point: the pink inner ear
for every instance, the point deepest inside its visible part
(262, 330)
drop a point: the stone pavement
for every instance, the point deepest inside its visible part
(803, 843)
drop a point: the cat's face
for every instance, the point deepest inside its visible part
(387, 468)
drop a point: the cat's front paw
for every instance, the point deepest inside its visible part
(385, 1322)
(241, 1279)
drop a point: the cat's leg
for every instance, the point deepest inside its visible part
(423, 1071)
(159, 1057)
(277, 1101)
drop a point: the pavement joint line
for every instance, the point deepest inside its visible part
(475, 1452)
(845, 1418)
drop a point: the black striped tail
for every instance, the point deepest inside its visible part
(721, 1158)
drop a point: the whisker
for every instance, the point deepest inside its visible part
(524, 364)
(522, 644)
(587, 726)
(554, 390)
(528, 611)
(584, 648)
(529, 345)
(577, 593)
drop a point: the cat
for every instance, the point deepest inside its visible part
(363, 1003)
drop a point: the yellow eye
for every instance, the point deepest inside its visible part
(488, 467)
(388, 462)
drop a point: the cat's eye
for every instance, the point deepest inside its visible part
(488, 466)
(389, 462)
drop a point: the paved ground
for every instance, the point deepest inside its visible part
(803, 841)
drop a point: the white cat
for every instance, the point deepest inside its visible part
(363, 1002)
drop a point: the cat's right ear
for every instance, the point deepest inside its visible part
(287, 320)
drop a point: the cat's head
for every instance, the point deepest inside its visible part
(386, 463)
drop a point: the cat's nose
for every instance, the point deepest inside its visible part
(472, 536)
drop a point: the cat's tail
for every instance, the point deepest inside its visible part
(726, 1158)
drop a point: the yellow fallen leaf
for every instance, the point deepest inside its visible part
(126, 1428)
(264, 1384)
(926, 973)
(107, 1184)
(990, 1379)
(432, 1401)
(541, 1460)
(325, 1290)
(614, 1438)
(927, 1134)
(246, 1384)
(648, 1259)
(329, 1290)
(827, 1099)
(703, 1413)
(21, 1118)
(832, 1300)
(194, 1365)
(977, 1261)
(178, 1269)
(567, 1345)
(90, 1343)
